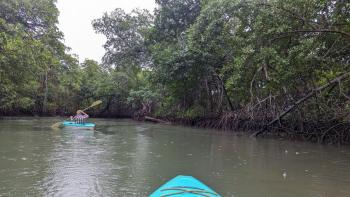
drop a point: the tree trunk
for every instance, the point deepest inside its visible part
(225, 93)
(46, 89)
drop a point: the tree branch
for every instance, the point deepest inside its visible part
(297, 103)
(318, 31)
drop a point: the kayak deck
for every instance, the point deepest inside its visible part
(184, 186)
(72, 124)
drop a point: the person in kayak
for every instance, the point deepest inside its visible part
(80, 117)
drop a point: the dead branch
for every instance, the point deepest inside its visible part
(148, 118)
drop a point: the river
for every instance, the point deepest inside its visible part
(129, 158)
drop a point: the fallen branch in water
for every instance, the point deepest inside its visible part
(156, 120)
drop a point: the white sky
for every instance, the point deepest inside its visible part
(75, 22)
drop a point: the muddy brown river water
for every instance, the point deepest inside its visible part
(128, 158)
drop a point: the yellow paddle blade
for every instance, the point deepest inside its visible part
(93, 104)
(56, 125)
(96, 103)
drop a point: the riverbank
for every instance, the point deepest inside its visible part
(325, 132)
(331, 132)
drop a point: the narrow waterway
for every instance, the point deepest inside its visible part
(128, 158)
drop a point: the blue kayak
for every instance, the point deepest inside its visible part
(184, 186)
(70, 124)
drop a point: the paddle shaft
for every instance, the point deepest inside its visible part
(86, 108)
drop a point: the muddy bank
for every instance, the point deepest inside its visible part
(325, 132)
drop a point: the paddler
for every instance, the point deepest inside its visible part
(80, 117)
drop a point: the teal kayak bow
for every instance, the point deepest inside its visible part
(184, 186)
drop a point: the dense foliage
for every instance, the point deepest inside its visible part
(37, 74)
(239, 62)
(30, 55)
(233, 62)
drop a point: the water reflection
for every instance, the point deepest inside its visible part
(73, 165)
